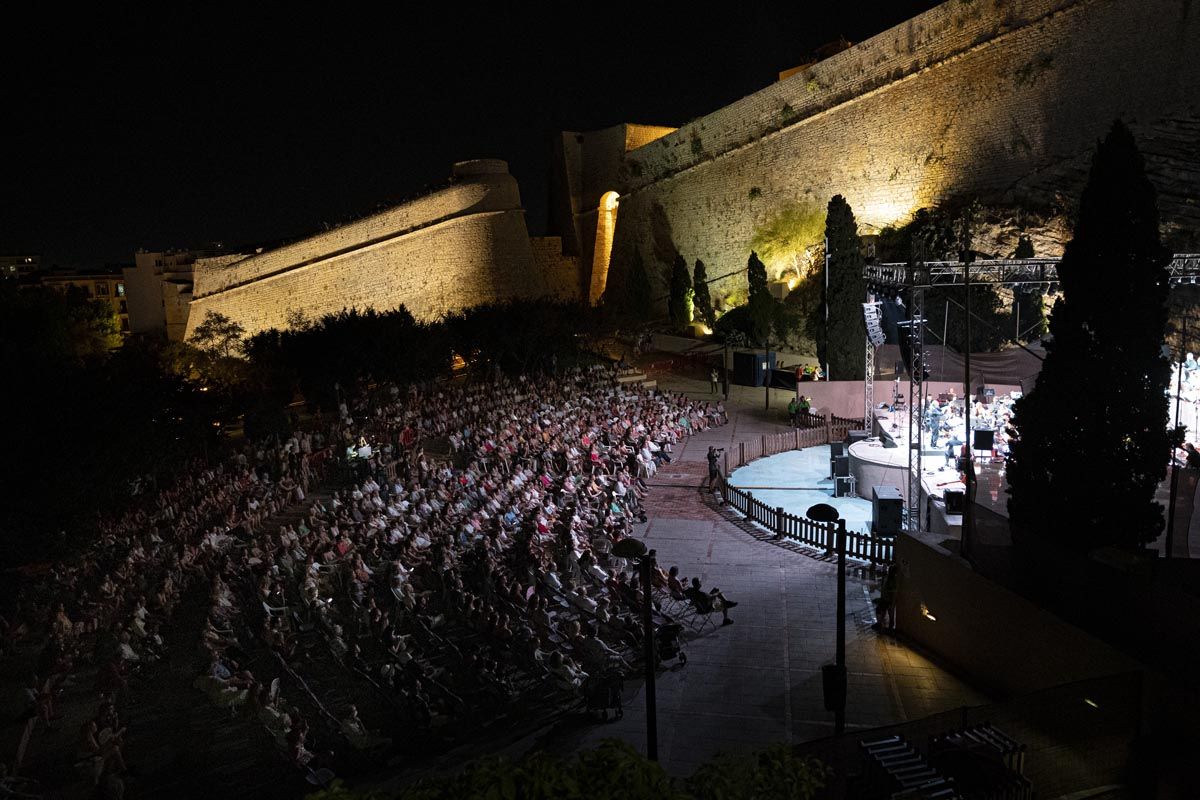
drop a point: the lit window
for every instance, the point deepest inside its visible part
(120, 290)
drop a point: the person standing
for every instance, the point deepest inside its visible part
(714, 466)
(713, 380)
(886, 604)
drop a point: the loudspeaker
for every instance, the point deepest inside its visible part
(984, 440)
(837, 449)
(887, 510)
(841, 467)
(856, 436)
(873, 321)
(956, 501)
(888, 441)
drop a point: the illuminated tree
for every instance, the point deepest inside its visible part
(703, 300)
(679, 301)
(1092, 436)
(843, 350)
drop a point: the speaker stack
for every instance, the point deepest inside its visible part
(887, 510)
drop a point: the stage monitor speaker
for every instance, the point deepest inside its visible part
(887, 510)
(984, 440)
(888, 441)
(837, 449)
(956, 501)
(856, 436)
(841, 467)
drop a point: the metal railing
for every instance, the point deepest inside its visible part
(867, 547)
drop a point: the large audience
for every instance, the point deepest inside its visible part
(467, 561)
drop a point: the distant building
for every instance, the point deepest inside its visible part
(19, 267)
(106, 284)
(159, 286)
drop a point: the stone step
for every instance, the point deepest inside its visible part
(631, 377)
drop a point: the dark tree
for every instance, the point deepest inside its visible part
(638, 302)
(843, 351)
(761, 305)
(1029, 315)
(702, 298)
(679, 301)
(1092, 436)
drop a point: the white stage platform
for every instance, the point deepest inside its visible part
(874, 464)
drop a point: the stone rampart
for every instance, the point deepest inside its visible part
(967, 99)
(460, 246)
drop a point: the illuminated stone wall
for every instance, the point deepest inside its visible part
(970, 98)
(459, 246)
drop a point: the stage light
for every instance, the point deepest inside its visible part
(1089, 701)
(925, 613)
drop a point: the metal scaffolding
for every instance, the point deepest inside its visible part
(914, 279)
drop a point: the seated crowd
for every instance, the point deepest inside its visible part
(469, 563)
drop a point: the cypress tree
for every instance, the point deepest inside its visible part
(762, 305)
(703, 300)
(637, 303)
(1091, 438)
(679, 302)
(843, 350)
(1029, 323)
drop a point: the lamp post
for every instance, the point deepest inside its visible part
(1170, 543)
(635, 550)
(834, 675)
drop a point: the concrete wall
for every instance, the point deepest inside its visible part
(1003, 641)
(463, 245)
(966, 99)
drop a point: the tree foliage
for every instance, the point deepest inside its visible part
(843, 350)
(680, 297)
(761, 307)
(787, 239)
(85, 420)
(1029, 313)
(702, 297)
(947, 234)
(1092, 436)
(637, 300)
(219, 346)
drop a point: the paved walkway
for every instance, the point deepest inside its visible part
(758, 681)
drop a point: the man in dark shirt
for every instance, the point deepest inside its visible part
(714, 466)
(708, 602)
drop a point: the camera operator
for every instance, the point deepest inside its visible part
(714, 466)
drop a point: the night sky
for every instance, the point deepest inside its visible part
(122, 130)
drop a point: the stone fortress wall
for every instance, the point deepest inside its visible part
(459, 246)
(999, 99)
(974, 97)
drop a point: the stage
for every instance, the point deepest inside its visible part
(797, 480)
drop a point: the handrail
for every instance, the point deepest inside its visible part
(867, 547)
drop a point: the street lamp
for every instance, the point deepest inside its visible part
(635, 551)
(834, 675)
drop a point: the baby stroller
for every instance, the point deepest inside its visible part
(604, 693)
(667, 643)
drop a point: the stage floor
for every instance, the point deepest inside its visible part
(798, 479)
